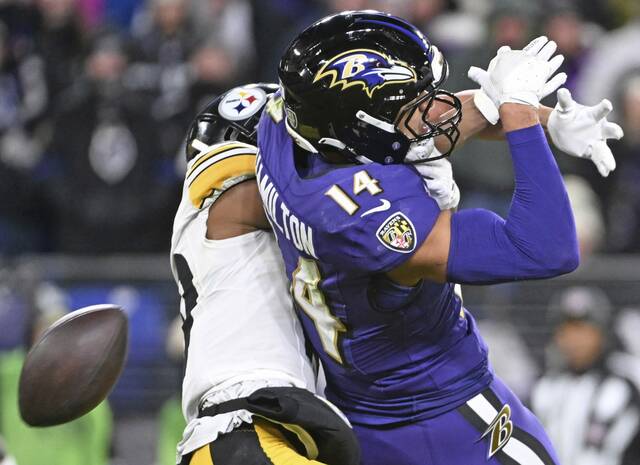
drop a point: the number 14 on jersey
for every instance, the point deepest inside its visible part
(361, 182)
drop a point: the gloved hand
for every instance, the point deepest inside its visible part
(583, 131)
(438, 179)
(521, 76)
(437, 174)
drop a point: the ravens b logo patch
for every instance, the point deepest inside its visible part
(397, 233)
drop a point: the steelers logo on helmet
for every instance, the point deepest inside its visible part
(242, 103)
(367, 68)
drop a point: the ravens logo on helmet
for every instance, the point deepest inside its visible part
(352, 82)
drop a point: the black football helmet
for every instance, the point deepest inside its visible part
(231, 116)
(352, 81)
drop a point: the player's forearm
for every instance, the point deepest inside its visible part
(474, 124)
(496, 132)
(471, 124)
(538, 238)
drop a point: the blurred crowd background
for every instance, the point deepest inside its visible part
(95, 100)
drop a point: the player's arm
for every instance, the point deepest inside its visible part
(476, 112)
(221, 178)
(474, 123)
(536, 240)
(577, 130)
(237, 211)
(496, 131)
(538, 237)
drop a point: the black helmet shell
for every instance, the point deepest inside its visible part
(231, 116)
(347, 78)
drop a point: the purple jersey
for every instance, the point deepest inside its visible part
(391, 353)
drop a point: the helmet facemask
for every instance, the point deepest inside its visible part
(444, 124)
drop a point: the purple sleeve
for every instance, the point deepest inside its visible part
(388, 228)
(537, 239)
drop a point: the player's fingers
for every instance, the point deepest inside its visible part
(565, 101)
(609, 160)
(612, 131)
(603, 158)
(555, 63)
(551, 86)
(604, 172)
(548, 50)
(535, 45)
(601, 110)
(478, 75)
(503, 49)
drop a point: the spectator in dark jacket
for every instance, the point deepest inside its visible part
(112, 189)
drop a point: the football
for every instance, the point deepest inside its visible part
(73, 366)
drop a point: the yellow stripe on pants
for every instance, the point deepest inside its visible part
(201, 457)
(276, 447)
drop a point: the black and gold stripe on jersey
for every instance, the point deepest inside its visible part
(218, 167)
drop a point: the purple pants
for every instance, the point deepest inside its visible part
(491, 428)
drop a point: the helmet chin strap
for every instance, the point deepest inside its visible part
(342, 147)
(419, 152)
(199, 145)
(362, 116)
(333, 143)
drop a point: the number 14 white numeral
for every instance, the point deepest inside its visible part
(361, 182)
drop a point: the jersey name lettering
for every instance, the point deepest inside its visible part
(280, 216)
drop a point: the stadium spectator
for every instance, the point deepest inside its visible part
(483, 168)
(164, 40)
(111, 188)
(274, 27)
(587, 212)
(59, 39)
(455, 31)
(83, 441)
(564, 25)
(601, 12)
(23, 104)
(612, 58)
(591, 414)
(624, 201)
(223, 57)
(218, 22)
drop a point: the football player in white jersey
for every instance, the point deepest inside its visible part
(249, 389)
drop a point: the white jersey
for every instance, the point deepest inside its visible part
(241, 331)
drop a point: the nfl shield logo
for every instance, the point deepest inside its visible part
(397, 233)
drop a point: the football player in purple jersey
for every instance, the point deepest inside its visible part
(373, 257)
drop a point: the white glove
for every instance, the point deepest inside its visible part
(438, 179)
(521, 76)
(583, 131)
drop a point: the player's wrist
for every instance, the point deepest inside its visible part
(516, 116)
(486, 106)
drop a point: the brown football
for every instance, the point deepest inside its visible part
(74, 365)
